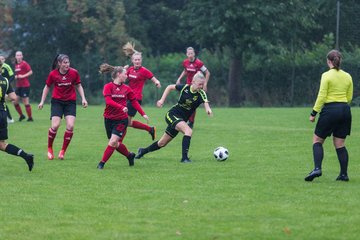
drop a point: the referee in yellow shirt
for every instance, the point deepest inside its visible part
(335, 94)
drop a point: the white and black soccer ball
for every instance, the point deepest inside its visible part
(221, 153)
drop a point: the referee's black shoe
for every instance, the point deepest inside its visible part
(131, 159)
(185, 160)
(315, 173)
(342, 177)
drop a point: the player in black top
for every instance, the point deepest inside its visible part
(191, 96)
(5, 88)
(7, 72)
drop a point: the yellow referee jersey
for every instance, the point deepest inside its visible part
(335, 86)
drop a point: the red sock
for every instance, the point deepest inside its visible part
(192, 117)
(28, 110)
(51, 137)
(140, 125)
(107, 153)
(18, 109)
(67, 138)
(122, 149)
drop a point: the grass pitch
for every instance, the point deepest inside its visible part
(258, 193)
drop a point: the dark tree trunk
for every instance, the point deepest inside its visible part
(234, 82)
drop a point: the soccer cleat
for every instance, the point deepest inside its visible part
(61, 154)
(22, 117)
(343, 177)
(10, 120)
(131, 159)
(30, 119)
(140, 153)
(50, 154)
(153, 133)
(30, 161)
(315, 173)
(100, 166)
(185, 160)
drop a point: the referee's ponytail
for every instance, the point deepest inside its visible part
(335, 57)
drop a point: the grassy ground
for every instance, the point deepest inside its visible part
(258, 193)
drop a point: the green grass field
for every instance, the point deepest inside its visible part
(258, 193)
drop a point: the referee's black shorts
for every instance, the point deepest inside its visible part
(335, 119)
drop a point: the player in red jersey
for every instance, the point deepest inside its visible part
(22, 73)
(116, 95)
(191, 66)
(63, 102)
(137, 76)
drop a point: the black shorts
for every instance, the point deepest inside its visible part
(131, 110)
(62, 108)
(172, 119)
(3, 125)
(335, 119)
(116, 127)
(23, 92)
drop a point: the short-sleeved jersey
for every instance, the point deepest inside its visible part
(21, 69)
(188, 101)
(7, 72)
(191, 68)
(137, 79)
(5, 88)
(119, 94)
(64, 84)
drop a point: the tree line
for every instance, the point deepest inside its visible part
(259, 53)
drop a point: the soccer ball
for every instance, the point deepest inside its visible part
(221, 153)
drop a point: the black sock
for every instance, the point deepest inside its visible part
(14, 150)
(343, 157)
(8, 112)
(318, 153)
(185, 146)
(153, 147)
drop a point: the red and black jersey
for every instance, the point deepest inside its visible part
(64, 84)
(116, 97)
(191, 68)
(137, 79)
(21, 69)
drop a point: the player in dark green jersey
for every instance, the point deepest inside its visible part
(7, 72)
(6, 89)
(191, 96)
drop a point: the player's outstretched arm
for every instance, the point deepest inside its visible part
(43, 97)
(167, 90)
(208, 109)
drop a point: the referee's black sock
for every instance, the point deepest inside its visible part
(318, 153)
(185, 146)
(343, 157)
(14, 150)
(8, 112)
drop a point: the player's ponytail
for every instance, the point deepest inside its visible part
(59, 58)
(105, 68)
(129, 50)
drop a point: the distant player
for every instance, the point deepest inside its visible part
(6, 89)
(191, 96)
(63, 102)
(137, 76)
(116, 95)
(191, 66)
(335, 94)
(7, 72)
(22, 73)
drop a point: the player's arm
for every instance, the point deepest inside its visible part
(180, 77)
(29, 73)
(208, 109)
(207, 76)
(156, 82)
(167, 90)
(43, 96)
(80, 89)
